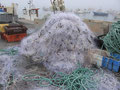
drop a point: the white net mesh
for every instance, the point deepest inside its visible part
(106, 80)
(61, 43)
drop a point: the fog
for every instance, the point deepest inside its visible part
(70, 4)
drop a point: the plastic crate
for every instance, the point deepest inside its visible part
(6, 18)
(111, 64)
(116, 66)
(104, 62)
(13, 38)
(117, 56)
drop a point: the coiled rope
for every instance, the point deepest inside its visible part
(112, 39)
(79, 79)
(11, 51)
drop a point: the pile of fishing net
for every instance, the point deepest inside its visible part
(60, 44)
(90, 79)
(13, 66)
(14, 75)
(112, 39)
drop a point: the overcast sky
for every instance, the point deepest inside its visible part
(71, 4)
(105, 4)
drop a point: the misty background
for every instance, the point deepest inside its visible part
(69, 4)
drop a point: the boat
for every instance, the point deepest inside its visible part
(100, 14)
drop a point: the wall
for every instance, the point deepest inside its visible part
(98, 27)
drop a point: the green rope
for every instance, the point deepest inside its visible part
(10, 51)
(79, 79)
(112, 39)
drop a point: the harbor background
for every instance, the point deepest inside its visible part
(71, 5)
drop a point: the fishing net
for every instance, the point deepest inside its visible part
(106, 80)
(16, 66)
(112, 39)
(60, 44)
(81, 78)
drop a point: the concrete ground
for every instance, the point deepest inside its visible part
(31, 28)
(5, 44)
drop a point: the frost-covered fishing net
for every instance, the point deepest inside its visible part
(61, 43)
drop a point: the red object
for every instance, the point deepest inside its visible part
(13, 38)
